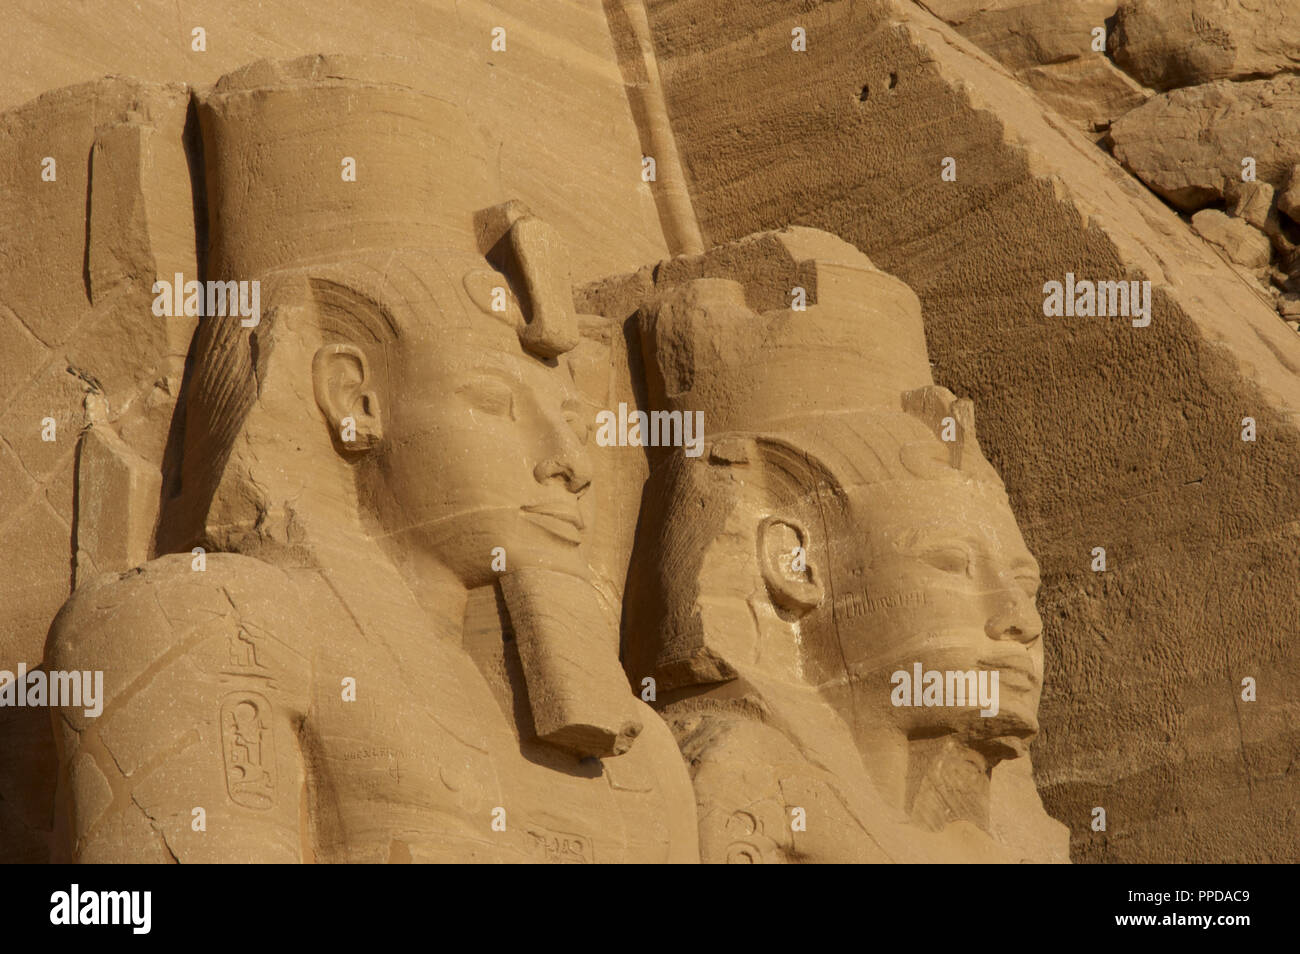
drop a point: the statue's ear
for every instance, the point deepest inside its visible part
(787, 566)
(346, 396)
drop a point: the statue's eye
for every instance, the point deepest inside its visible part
(1029, 582)
(489, 396)
(948, 559)
(578, 421)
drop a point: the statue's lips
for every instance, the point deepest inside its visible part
(561, 520)
(1020, 669)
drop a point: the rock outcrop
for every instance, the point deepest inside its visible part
(1188, 145)
(1055, 49)
(1170, 43)
(1245, 245)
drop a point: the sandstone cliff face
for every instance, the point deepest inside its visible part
(1057, 50)
(1107, 435)
(1197, 136)
(1113, 436)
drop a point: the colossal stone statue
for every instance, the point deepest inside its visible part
(841, 536)
(398, 653)
(340, 468)
(379, 634)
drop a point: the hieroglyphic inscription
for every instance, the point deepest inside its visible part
(561, 847)
(248, 749)
(856, 604)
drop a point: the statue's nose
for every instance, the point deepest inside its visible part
(1015, 618)
(576, 475)
(568, 460)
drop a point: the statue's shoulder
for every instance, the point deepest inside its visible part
(759, 797)
(202, 680)
(177, 605)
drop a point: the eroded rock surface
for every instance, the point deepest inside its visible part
(1189, 144)
(1171, 43)
(1052, 48)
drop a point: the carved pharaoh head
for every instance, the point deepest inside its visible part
(842, 525)
(412, 335)
(394, 367)
(404, 404)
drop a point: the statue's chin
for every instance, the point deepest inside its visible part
(467, 545)
(1001, 748)
(1004, 736)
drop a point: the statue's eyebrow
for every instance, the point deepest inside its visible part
(576, 400)
(497, 371)
(922, 538)
(1026, 562)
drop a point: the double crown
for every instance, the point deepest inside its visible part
(846, 377)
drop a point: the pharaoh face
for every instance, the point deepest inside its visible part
(948, 583)
(472, 449)
(484, 448)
